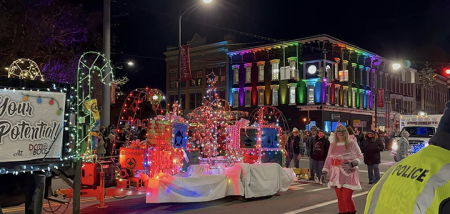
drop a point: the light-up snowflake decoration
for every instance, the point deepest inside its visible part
(25, 69)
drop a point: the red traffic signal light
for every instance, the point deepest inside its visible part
(447, 71)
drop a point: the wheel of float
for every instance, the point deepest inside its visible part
(243, 199)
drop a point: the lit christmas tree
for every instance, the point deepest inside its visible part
(211, 120)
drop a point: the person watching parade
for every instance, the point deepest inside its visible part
(342, 162)
(371, 149)
(403, 146)
(293, 148)
(309, 145)
(420, 183)
(319, 154)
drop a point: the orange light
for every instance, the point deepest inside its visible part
(341, 73)
(304, 119)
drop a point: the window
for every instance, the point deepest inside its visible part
(353, 73)
(173, 81)
(236, 74)
(375, 81)
(345, 75)
(275, 69)
(361, 69)
(292, 94)
(341, 76)
(196, 79)
(248, 73)
(275, 96)
(195, 100)
(336, 95)
(222, 75)
(261, 72)
(285, 73)
(310, 94)
(345, 97)
(261, 97)
(292, 68)
(353, 97)
(327, 95)
(336, 71)
(236, 98)
(248, 98)
(368, 76)
(329, 73)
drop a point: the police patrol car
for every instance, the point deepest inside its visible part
(420, 128)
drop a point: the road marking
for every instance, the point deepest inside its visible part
(321, 204)
(299, 185)
(295, 188)
(320, 189)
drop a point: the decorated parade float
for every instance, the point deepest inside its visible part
(169, 158)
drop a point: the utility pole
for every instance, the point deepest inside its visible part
(106, 95)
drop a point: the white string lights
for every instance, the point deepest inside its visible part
(24, 69)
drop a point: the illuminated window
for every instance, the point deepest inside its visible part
(341, 76)
(275, 96)
(275, 69)
(293, 69)
(310, 94)
(345, 97)
(236, 99)
(261, 97)
(345, 75)
(248, 73)
(236, 74)
(353, 97)
(261, 72)
(248, 98)
(292, 94)
(336, 71)
(329, 73)
(285, 73)
(336, 95)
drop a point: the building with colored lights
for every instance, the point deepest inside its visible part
(319, 81)
(205, 58)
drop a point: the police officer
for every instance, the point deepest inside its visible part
(420, 183)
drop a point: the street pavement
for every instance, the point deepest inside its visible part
(302, 197)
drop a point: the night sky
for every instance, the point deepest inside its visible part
(393, 29)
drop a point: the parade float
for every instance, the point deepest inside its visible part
(201, 158)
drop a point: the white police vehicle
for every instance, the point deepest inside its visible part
(420, 128)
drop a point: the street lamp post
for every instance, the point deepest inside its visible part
(179, 45)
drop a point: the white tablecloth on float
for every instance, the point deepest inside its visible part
(256, 180)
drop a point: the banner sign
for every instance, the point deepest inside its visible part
(31, 125)
(185, 63)
(269, 137)
(179, 135)
(380, 98)
(113, 93)
(430, 123)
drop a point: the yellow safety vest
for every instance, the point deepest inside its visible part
(416, 185)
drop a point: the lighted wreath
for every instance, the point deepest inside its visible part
(155, 97)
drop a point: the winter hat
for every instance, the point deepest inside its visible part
(295, 129)
(443, 131)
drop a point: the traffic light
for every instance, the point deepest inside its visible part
(447, 71)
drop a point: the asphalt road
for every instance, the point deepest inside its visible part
(302, 197)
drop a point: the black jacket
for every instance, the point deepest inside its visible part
(297, 141)
(319, 151)
(372, 151)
